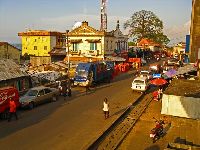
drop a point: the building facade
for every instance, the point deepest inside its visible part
(149, 44)
(89, 44)
(179, 48)
(8, 51)
(121, 41)
(40, 42)
(85, 43)
(195, 32)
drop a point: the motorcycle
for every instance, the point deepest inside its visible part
(158, 131)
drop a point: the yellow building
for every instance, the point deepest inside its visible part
(40, 42)
(8, 51)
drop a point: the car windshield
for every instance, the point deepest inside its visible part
(82, 73)
(139, 81)
(32, 93)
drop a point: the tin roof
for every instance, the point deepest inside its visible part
(10, 70)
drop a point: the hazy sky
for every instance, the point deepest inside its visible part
(59, 15)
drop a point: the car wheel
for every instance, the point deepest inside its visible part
(54, 98)
(31, 105)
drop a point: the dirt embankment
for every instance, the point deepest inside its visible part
(181, 87)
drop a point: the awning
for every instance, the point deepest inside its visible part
(93, 40)
(75, 40)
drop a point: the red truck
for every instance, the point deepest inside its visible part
(5, 94)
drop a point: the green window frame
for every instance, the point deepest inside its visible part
(75, 47)
(93, 46)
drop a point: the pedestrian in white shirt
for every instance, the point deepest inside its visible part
(106, 108)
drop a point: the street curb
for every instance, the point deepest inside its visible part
(94, 145)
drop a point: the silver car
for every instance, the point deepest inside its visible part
(38, 95)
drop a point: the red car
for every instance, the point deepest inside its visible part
(5, 94)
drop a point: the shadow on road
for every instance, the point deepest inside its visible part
(118, 112)
(28, 118)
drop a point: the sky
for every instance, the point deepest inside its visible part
(60, 15)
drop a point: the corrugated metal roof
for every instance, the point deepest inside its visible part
(10, 70)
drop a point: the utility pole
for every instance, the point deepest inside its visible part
(67, 50)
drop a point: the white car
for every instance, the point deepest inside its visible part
(145, 73)
(140, 84)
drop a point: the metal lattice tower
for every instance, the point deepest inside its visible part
(103, 15)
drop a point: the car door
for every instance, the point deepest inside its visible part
(48, 94)
(41, 97)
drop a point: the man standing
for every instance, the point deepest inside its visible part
(12, 111)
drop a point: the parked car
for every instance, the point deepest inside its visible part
(5, 94)
(145, 73)
(38, 95)
(140, 84)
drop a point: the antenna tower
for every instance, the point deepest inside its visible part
(103, 15)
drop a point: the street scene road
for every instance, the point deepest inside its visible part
(70, 124)
(100, 75)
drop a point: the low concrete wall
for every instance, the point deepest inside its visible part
(180, 106)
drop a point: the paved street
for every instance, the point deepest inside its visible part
(71, 124)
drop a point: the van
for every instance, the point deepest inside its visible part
(5, 94)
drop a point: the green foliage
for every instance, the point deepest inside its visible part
(131, 44)
(145, 24)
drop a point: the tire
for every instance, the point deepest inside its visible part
(31, 105)
(54, 98)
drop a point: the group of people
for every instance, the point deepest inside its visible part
(64, 88)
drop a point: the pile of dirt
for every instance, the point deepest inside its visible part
(181, 87)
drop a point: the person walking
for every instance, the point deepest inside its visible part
(106, 108)
(87, 87)
(12, 110)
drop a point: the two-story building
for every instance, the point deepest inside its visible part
(38, 44)
(8, 51)
(88, 44)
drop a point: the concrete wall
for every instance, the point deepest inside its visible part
(180, 106)
(39, 61)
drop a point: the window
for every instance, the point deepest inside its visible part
(75, 47)
(93, 46)
(45, 47)
(35, 47)
(41, 92)
(47, 91)
(35, 40)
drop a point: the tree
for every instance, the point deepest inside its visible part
(145, 24)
